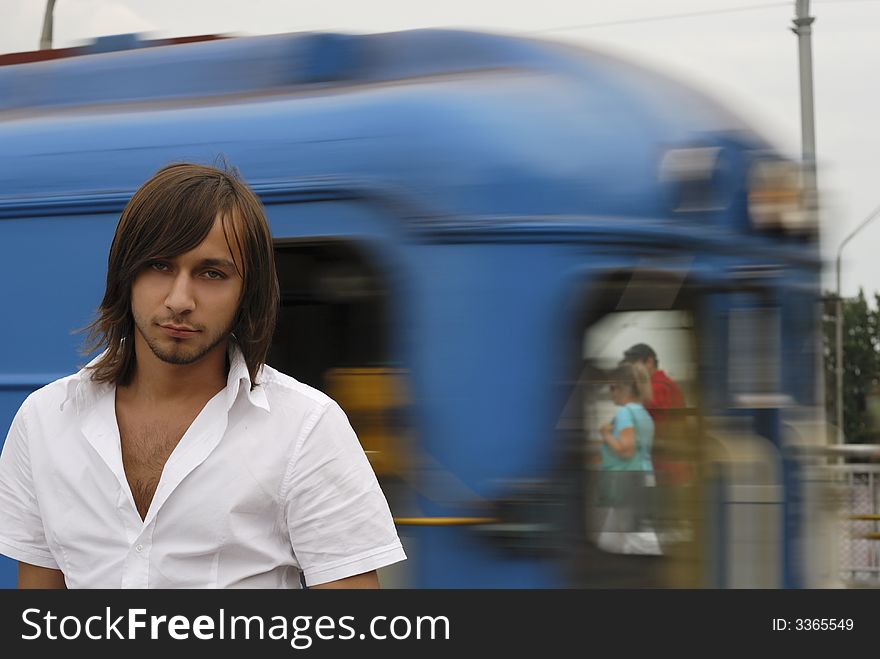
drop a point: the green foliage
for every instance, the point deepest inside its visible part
(861, 366)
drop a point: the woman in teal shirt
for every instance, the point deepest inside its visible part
(626, 441)
(626, 465)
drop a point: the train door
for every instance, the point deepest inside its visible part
(660, 542)
(338, 331)
(714, 511)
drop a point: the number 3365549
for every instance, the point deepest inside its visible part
(822, 624)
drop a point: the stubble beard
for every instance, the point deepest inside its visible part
(180, 354)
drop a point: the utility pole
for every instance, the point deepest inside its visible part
(46, 37)
(802, 28)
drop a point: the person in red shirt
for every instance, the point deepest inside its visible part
(666, 397)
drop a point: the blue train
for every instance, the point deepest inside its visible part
(470, 229)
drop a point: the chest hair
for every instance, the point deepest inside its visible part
(146, 448)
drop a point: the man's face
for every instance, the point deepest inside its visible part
(184, 307)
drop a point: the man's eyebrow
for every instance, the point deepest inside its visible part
(209, 263)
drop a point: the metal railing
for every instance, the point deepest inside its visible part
(856, 491)
(859, 549)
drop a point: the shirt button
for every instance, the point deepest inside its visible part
(139, 548)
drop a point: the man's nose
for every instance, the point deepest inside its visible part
(180, 298)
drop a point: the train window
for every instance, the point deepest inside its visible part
(753, 355)
(334, 334)
(334, 311)
(640, 510)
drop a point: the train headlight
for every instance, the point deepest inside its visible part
(776, 197)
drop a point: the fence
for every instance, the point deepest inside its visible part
(856, 492)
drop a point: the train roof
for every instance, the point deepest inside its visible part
(540, 126)
(126, 69)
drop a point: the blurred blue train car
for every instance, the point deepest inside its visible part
(470, 228)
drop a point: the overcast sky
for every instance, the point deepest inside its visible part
(746, 58)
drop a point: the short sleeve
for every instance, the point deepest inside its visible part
(21, 526)
(622, 419)
(337, 516)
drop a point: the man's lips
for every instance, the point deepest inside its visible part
(179, 331)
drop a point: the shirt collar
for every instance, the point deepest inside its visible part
(239, 378)
(83, 391)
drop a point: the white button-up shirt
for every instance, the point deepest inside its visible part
(264, 485)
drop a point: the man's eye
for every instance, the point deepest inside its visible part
(214, 274)
(159, 265)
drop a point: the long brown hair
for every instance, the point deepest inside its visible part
(171, 214)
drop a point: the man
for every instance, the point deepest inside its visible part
(665, 393)
(176, 458)
(666, 396)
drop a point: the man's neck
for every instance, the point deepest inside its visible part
(158, 382)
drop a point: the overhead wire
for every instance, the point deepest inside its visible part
(690, 14)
